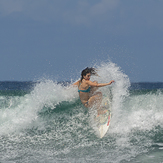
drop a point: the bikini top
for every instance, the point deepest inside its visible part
(87, 90)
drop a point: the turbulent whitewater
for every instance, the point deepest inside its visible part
(45, 121)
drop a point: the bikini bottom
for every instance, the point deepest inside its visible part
(87, 103)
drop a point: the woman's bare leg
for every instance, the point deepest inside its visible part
(95, 101)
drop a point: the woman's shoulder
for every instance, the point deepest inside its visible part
(77, 83)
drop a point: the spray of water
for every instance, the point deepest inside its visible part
(19, 112)
(134, 119)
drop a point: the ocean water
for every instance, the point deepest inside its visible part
(45, 121)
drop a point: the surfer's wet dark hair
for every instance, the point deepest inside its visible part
(87, 70)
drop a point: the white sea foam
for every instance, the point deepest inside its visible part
(142, 112)
(135, 118)
(19, 112)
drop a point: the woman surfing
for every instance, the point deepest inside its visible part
(87, 88)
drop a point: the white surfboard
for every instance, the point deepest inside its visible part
(103, 120)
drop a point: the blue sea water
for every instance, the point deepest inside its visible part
(45, 121)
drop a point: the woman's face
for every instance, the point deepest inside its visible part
(87, 77)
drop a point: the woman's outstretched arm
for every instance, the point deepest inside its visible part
(93, 84)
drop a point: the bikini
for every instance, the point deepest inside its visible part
(86, 91)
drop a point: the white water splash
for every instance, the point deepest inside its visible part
(20, 112)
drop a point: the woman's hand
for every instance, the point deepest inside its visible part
(112, 81)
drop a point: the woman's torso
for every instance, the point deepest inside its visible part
(83, 86)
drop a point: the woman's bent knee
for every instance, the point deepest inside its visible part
(99, 94)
